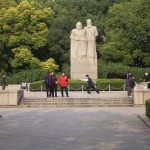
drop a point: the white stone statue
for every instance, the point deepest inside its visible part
(78, 41)
(83, 51)
(91, 34)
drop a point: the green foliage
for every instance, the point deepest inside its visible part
(24, 59)
(148, 108)
(26, 76)
(7, 4)
(49, 65)
(128, 31)
(34, 31)
(114, 70)
(24, 30)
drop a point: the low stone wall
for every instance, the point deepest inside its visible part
(141, 93)
(10, 97)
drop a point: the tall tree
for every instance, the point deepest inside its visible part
(128, 33)
(24, 25)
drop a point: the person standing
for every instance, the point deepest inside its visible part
(3, 82)
(146, 77)
(54, 83)
(63, 82)
(47, 81)
(130, 83)
(91, 85)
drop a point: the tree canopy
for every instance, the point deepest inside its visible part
(128, 33)
(36, 33)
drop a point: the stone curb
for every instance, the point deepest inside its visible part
(145, 119)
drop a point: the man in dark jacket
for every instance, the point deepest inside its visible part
(130, 83)
(91, 85)
(54, 84)
(48, 82)
(3, 82)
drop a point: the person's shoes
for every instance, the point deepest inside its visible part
(89, 93)
(129, 96)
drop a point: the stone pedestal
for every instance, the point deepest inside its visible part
(140, 96)
(10, 97)
(80, 66)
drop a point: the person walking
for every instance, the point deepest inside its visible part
(91, 85)
(130, 84)
(54, 84)
(3, 82)
(63, 82)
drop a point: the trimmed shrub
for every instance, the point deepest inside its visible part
(77, 85)
(148, 108)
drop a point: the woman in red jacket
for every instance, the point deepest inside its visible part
(63, 82)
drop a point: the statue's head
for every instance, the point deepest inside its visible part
(79, 25)
(89, 22)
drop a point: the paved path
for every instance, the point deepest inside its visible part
(73, 129)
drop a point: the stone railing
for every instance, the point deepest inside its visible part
(141, 94)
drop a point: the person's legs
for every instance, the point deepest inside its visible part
(55, 90)
(66, 89)
(96, 89)
(88, 89)
(129, 91)
(62, 91)
(47, 89)
(52, 91)
(3, 87)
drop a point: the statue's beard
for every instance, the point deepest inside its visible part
(89, 25)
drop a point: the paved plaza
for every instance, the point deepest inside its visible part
(73, 129)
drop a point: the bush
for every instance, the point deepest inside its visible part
(26, 76)
(148, 108)
(113, 70)
(77, 85)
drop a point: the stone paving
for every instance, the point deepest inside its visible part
(73, 129)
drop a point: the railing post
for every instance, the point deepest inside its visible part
(124, 88)
(82, 88)
(68, 88)
(109, 87)
(29, 87)
(41, 88)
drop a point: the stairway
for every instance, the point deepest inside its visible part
(76, 102)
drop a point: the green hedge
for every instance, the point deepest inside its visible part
(148, 108)
(77, 85)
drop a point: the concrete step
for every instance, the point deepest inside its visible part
(77, 102)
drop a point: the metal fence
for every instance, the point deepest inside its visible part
(83, 88)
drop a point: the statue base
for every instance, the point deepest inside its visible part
(80, 66)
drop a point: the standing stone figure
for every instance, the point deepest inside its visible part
(91, 34)
(78, 38)
(83, 51)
